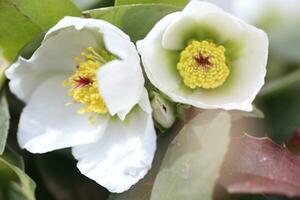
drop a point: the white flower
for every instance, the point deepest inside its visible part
(205, 57)
(277, 12)
(96, 103)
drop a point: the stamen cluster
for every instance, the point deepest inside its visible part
(84, 85)
(202, 64)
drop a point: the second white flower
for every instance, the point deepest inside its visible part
(205, 57)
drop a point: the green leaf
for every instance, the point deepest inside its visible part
(4, 122)
(255, 113)
(252, 197)
(282, 114)
(23, 20)
(63, 180)
(280, 84)
(28, 50)
(135, 20)
(13, 158)
(3, 65)
(14, 184)
(172, 2)
(191, 166)
(285, 42)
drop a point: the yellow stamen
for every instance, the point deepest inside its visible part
(84, 85)
(202, 64)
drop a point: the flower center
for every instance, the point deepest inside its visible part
(83, 83)
(202, 64)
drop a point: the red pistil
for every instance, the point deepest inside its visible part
(203, 61)
(83, 81)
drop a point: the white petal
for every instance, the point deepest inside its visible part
(200, 8)
(224, 24)
(193, 15)
(62, 43)
(121, 81)
(55, 55)
(154, 57)
(123, 155)
(81, 23)
(47, 124)
(145, 103)
(174, 35)
(119, 45)
(250, 67)
(226, 5)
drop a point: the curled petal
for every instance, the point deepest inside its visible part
(121, 81)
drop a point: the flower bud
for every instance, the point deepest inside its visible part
(163, 110)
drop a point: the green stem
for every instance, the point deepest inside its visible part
(280, 84)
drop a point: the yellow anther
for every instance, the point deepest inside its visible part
(202, 64)
(84, 85)
(90, 49)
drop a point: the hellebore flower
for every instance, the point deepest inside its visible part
(96, 103)
(267, 13)
(205, 57)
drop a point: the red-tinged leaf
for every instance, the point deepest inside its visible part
(257, 165)
(293, 144)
